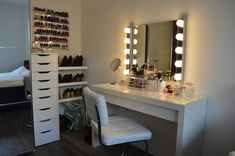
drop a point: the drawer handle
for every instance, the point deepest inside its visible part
(45, 120)
(43, 109)
(44, 97)
(43, 80)
(45, 132)
(44, 89)
(43, 63)
(44, 72)
(43, 54)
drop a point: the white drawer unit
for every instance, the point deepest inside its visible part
(44, 69)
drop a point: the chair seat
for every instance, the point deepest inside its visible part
(122, 130)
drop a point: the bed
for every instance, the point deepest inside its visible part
(12, 86)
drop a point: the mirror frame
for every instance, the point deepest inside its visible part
(178, 43)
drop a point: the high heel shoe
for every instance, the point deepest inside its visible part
(80, 60)
(60, 78)
(69, 61)
(75, 61)
(76, 78)
(64, 61)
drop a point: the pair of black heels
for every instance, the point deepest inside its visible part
(70, 61)
(69, 78)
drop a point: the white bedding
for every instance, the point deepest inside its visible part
(14, 78)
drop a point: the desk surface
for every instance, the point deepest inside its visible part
(145, 95)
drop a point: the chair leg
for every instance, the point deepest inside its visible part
(123, 149)
(146, 148)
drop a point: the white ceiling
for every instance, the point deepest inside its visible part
(16, 2)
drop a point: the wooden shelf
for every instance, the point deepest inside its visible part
(70, 99)
(72, 83)
(73, 68)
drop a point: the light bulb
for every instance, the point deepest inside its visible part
(179, 36)
(178, 77)
(127, 30)
(180, 23)
(178, 63)
(127, 40)
(126, 61)
(135, 31)
(135, 41)
(179, 50)
(127, 51)
(134, 51)
(134, 61)
(126, 72)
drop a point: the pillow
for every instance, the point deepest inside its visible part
(21, 71)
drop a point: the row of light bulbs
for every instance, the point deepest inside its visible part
(179, 50)
(127, 51)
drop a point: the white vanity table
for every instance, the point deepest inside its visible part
(187, 112)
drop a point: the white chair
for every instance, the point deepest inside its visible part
(112, 130)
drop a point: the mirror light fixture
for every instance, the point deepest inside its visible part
(180, 23)
(134, 51)
(179, 36)
(179, 49)
(126, 61)
(178, 63)
(126, 72)
(129, 51)
(178, 77)
(134, 62)
(127, 41)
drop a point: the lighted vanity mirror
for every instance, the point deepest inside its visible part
(157, 44)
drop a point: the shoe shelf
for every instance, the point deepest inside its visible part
(72, 84)
(70, 99)
(72, 68)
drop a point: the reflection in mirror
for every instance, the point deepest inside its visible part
(156, 46)
(15, 108)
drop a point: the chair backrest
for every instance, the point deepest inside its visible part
(93, 100)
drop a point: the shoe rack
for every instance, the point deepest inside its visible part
(71, 90)
(50, 29)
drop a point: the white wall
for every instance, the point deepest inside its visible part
(209, 60)
(12, 32)
(73, 7)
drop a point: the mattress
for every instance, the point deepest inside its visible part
(14, 78)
